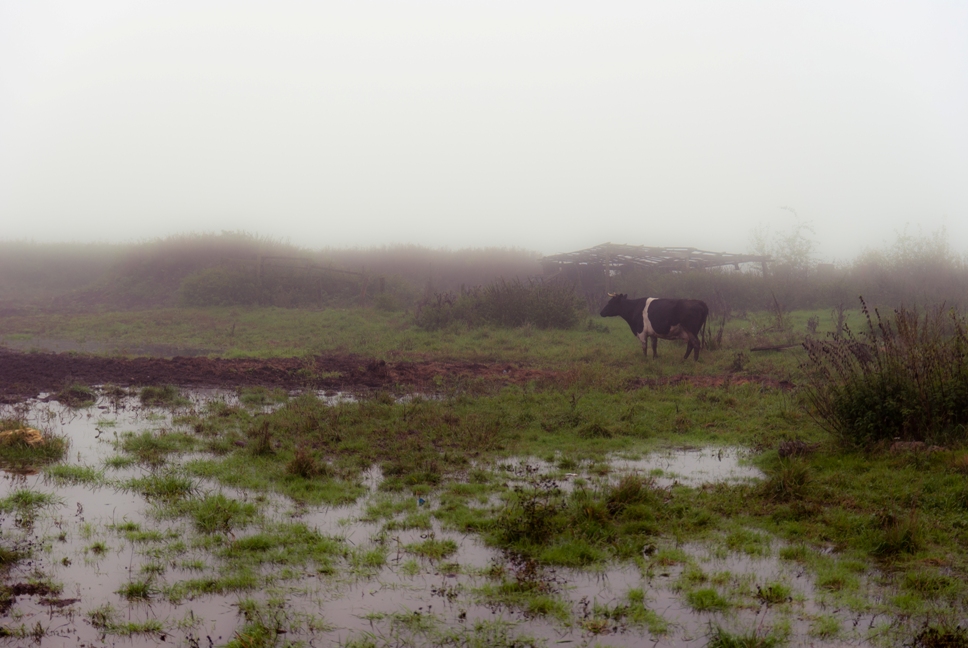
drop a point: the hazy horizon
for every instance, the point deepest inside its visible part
(542, 126)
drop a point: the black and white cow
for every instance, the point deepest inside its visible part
(669, 319)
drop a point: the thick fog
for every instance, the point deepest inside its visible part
(545, 125)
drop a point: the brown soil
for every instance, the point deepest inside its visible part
(29, 374)
(26, 375)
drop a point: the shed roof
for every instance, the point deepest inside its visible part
(615, 255)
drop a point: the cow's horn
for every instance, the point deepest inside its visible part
(613, 294)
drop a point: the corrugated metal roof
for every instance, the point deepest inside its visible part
(615, 255)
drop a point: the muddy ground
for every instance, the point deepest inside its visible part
(25, 375)
(28, 374)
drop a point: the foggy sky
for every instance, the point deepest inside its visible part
(551, 126)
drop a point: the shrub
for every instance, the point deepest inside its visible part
(905, 377)
(219, 286)
(531, 515)
(507, 304)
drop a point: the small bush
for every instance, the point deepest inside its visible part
(630, 491)
(304, 464)
(892, 534)
(790, 482)
(261, 435)
(905, 377)
(543, 304)
(531, 516)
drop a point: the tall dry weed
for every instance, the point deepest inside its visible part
(904, 377)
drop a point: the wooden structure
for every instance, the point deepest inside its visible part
(592, 270)
(614, 258)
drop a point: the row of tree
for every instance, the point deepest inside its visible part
(243, 269)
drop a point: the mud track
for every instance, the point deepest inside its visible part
(29, 374)
(26, 375)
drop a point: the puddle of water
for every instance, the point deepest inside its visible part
(692, 467)
(345, 603)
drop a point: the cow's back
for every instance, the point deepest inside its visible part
(661, 315)
(692, 314)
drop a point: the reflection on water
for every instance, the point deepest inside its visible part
(77, 544)
(693, 466)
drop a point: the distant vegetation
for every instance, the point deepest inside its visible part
(239, 269)
(916, 271)
(473, 286)
(505, 303)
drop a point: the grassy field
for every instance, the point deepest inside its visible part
(882, 534)
(274, 332)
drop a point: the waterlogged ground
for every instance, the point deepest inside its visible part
(117, 560)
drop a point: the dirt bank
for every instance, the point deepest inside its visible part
(28, 374)
(25, 375)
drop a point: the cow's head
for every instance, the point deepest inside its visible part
(615, 305)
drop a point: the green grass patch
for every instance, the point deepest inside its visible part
(74, 474)
(153, 449)
(292, 544)
(432, 548)
(138, 590)
(20, 450)
(28, 503)
(216, 513)
(108, 619)
(161, 396)
(166, 486)
(76, 395)
(707, 599)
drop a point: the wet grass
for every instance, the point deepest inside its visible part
(285, 544)
(166, 486)
(899, 512)
(426, 629)
(27, 503)
(74, 474)
(604, 347)
(111, 621)
(76, 395)
(855, 522)
(153, 448)
(433, 549)
(161, 396)
(20, 450)
(721, 638)
(215, 513)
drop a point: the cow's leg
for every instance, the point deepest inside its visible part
(692, 342)
(655, 343)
